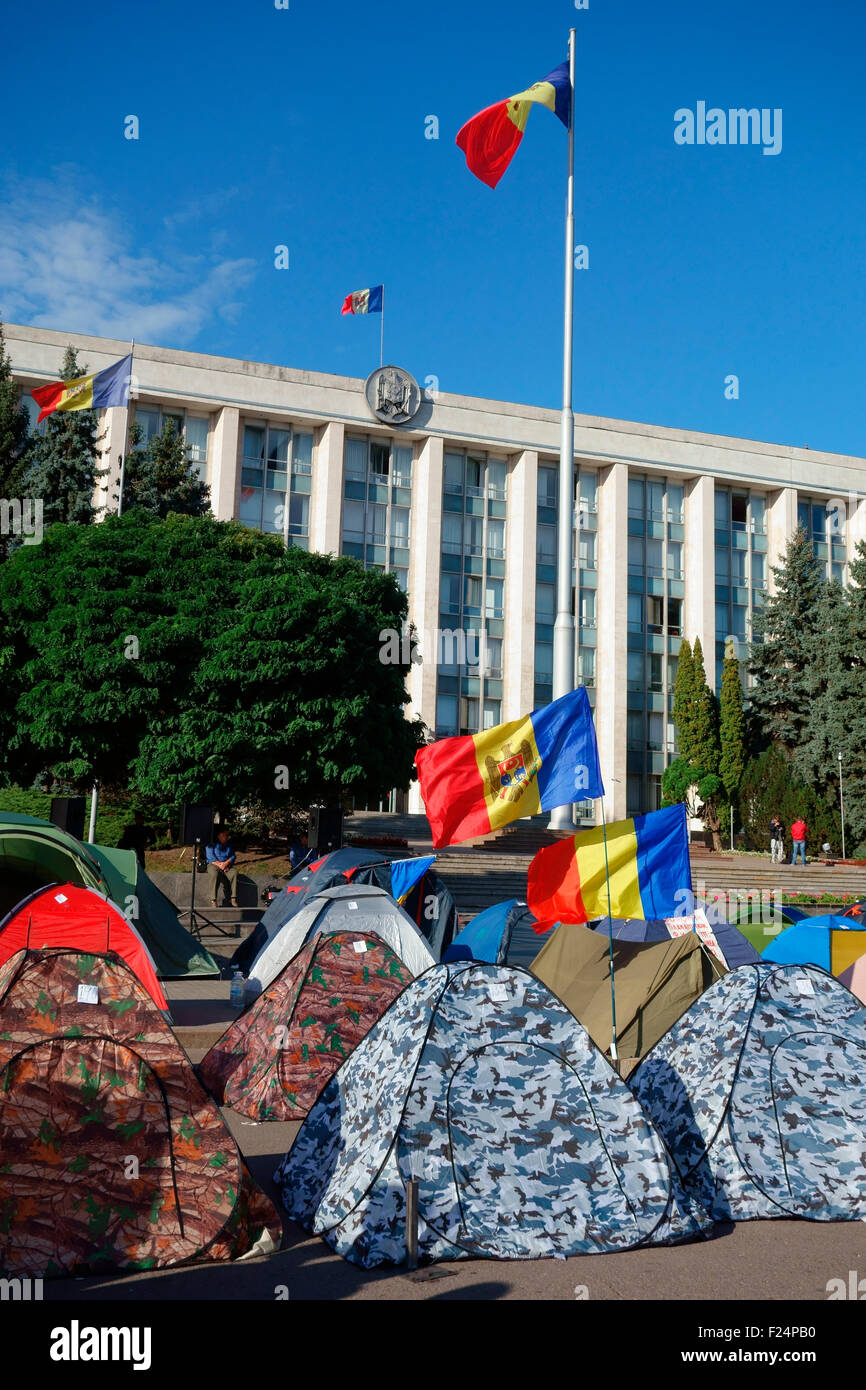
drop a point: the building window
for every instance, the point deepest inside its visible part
(193, 429)
(269, 500)
(377, 478)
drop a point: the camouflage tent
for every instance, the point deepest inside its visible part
(112, 1156)
(481, 1085)
(760, 1093)
(654, 982)
(273, 1061)
(360, 907)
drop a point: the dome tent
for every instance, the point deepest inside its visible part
(831, 942)
(481, 1085)
(734, 947)
(655, 982)
(273, 1061)
(502, 934)
(353, 907)
(35, 853)
(63, 915)
(92, 1078)
(429, 903)
(760, 1096)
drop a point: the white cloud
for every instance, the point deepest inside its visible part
(66, 262)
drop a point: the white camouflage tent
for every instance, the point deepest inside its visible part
(359, 908)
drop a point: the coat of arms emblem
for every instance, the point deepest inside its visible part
(393, 395)
(509, 777)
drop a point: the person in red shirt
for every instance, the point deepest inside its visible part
(798, 838)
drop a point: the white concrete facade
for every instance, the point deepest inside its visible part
(760, 485)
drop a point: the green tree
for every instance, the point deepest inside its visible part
(14, 429)
(197, 659)
(783, 649)
(771, 786)
(705, 752)
(732, 728)
(837, 708)
(161, 478)
(62, 463)
(684, 695)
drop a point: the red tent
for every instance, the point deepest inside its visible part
(65, 915)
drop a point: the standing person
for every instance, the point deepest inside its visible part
(798, 836)
(777, 840)
(221, 864)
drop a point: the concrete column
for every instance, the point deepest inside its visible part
(424, 572)
(326, 497)
(112, 443)
(612, 651)
(225, 463)
(781, 525)
(518, 647)
(699, 612)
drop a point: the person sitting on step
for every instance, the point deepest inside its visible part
(221, 866)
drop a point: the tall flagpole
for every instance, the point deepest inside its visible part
(382, 332)
(125, 434)
(562, 817)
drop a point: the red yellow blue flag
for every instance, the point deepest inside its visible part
(476, 783)
(94, 392)
(490, 139)
(648, 859)
(364, 301)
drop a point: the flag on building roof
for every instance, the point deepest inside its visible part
(364, 301)
(490, 139)
(477, 782)
(94, 392)
(648, 862)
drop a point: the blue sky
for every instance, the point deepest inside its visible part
(306, 127)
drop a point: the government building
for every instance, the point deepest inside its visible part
(675, 532)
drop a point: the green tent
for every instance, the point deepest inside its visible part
(35, 852)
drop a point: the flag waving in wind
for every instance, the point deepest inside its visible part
(474, 784)
(650, 874)
(108, 387)
(490, 139)
(364, 301)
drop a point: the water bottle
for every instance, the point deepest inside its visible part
(236, 992)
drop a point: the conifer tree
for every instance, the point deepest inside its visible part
(161, 478)
(14, 430)
(783, 648)
(705, 752)
(684, 690)
(62, 463)
(732, 724)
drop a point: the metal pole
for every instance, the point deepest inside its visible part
(122, 476)
(613, 1051)
(562, 817)
(412, 1223)
(731, 813)
(94, 806)
(841, 800)
(382, 332)
(125, 433)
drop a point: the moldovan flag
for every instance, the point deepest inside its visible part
(490, 139)
(476, 783)
(364, 301)
(108, 387)
(649, 869)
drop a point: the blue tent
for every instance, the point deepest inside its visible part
(480, 1085)
(810, 942)
(759, 1093)
(502, 935)
(732, 944)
